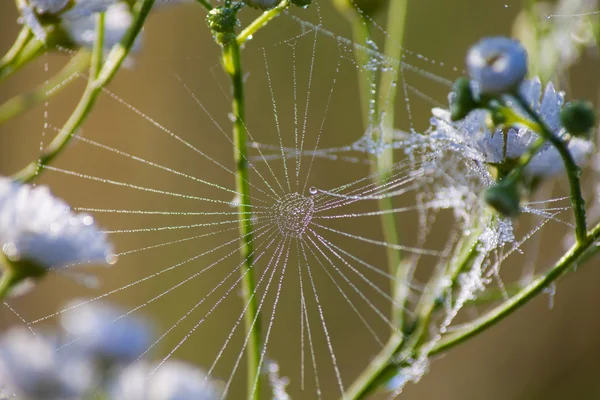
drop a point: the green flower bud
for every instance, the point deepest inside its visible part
(222, 21)
(464, 102)
(578, 118)
(504, 197)
(366, 7)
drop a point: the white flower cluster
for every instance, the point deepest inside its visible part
(94, 356)
(37, 227)
(500, 147)
(78, 19)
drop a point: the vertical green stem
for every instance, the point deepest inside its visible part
(387, 99)
(367, 82)
(233, 66)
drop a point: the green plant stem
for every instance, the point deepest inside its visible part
(22, 38)
(525, 295)
(26, 101)
(94, 87)
(401, 270)
(206, 4)
(233, 66)
(361, 34)
(370, 377)
(385, 362)
(25, 50)
(572, 169)
(266, 17)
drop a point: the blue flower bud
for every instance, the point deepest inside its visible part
(497, 65)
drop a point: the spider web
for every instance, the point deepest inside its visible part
(165, 191)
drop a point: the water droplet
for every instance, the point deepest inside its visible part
(313, 190)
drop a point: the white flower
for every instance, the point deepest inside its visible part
(102, 333)
(174, 380)
(472, 137)
(80, 23)
(497, 65)
(37, 227)
(31, 368)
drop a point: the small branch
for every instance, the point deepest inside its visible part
(260, 22)
(22, 39)
(25, 49)
(26, 101)
(525, 295)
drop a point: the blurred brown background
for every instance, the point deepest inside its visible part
(536, 353)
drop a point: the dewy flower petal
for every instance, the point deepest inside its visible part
(497, 65)
(81, 24)
(173, 380)
(102, 332)
(39, 228)
(472, 137)
(32, 368)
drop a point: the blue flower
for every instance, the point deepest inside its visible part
(496, 65)
(103, 333)
(174, 380)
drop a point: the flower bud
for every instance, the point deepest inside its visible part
(578, 118)
(497, 65)
(504, 197)
(222, 21)
(463, 102)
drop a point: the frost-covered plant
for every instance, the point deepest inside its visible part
(38, 233)
(481, 159)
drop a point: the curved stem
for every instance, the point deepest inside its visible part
(573, 170)
(22, 38)
(368, 379)
(23, 54)
(527, 293)
(99, 77)
(25, 101)
(233, 66)
(261, 21)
